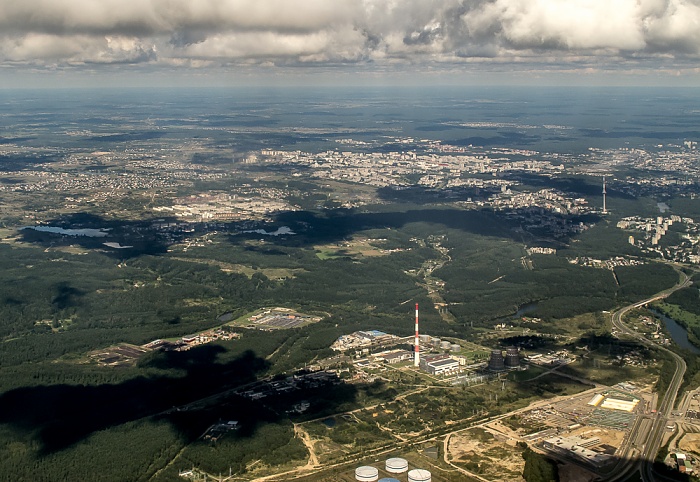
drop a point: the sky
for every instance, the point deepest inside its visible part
(348, 42)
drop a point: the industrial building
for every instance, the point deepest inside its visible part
(578, 448)
(393, 356)
(439, 365)
(614, 403)
(682, 463)
(361, 339)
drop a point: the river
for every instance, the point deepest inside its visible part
(678, 333)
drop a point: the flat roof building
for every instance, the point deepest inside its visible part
(616, 404)
(439, 365)
(394, 356)
(578, 448)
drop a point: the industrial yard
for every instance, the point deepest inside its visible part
(582, 424)
(263, 319)
(277, 318)
(121, 355)
(412, 466)
(126, 354)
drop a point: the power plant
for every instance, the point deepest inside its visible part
(497, 363)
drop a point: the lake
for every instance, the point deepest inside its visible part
(92, 233)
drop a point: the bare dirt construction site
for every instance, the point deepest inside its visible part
(690, 443)
(121, 355)
(492, 457)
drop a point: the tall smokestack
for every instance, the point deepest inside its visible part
(416, 359)
(605, 210)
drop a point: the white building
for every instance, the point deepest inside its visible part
(439, 365)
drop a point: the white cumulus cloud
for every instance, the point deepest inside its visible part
(275, 32)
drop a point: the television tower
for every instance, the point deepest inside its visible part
(416, 359)
(605, 210)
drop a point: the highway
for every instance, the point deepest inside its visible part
(649, 431)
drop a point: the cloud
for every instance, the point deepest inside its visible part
(549, 24)
(675, 29)
(150, 17)
(285, 32)
(344, 44)
(76, 50)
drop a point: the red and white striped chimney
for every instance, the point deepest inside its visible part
(416, 359)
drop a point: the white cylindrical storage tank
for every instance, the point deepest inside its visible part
(396, 465)
(419, 475)
(455, 347)
(424, 338)
(436, 341)
(445, 345)
(366, 473)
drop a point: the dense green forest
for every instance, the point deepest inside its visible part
(687, 299)
(64, 297)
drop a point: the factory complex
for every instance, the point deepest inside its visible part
(587, 428)
(590, 428)
(431, 355)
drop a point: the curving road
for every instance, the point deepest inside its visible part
(652, 433)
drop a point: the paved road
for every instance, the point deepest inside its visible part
(651, 433)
